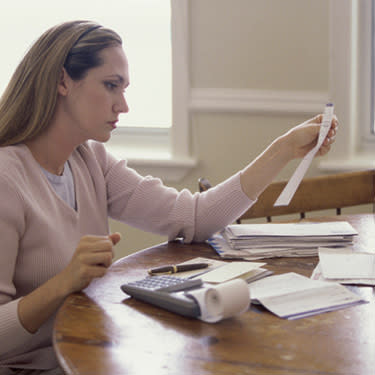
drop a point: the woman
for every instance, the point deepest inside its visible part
(59, 185)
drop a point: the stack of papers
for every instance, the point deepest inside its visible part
(345, 266)
(293, 296)
(258, 241)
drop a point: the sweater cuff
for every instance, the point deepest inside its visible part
(242, 202)
(12, 332)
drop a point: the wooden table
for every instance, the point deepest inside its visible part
(103, 331)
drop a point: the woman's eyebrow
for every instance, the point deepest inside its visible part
(118, 77)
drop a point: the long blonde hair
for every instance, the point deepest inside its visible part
(28, 103)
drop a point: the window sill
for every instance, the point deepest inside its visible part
(156, 163)
(148, 151)
(356, 162)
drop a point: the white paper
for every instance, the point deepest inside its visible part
(346, 264)
(283, 284)
(318, 275)
(260, 241)
(300, 229)
(230, 271)
(212, 264)
(291, 187)
(225, 251)
(311, 301)
(294, 296)
(222, 301)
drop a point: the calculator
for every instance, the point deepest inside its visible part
(167, 292)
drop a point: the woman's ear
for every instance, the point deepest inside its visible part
(63, 86)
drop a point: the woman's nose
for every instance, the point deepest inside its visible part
(122, 105)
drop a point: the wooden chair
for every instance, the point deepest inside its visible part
(313, 194)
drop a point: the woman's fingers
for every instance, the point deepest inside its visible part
(91, 259)
(99, 258)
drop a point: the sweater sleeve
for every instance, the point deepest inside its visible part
(12, 223)
(146, 203)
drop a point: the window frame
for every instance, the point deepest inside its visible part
(164, 152)
(350, 89)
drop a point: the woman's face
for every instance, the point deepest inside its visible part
(92, 105)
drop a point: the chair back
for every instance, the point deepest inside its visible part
(313, 194)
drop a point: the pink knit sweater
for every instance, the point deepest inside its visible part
(39, 232)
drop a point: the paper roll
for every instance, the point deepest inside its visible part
(222, 301)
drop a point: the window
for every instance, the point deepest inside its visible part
(153, 134)
(371, 38)
(352, 84)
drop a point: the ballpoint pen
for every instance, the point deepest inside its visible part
(174, 268)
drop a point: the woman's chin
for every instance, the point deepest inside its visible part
(102, 138)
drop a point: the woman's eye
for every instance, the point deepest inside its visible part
(110, 85)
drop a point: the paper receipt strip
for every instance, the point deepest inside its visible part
(287, 194)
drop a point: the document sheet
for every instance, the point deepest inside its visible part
(231, 271)
(220, 271)
(345, 266)
(293, 296)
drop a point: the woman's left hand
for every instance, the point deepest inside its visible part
(302, 138)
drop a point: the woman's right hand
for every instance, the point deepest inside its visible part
(91, 259)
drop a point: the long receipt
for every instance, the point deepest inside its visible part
(287, 194)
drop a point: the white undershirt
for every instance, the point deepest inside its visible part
(63, 185)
